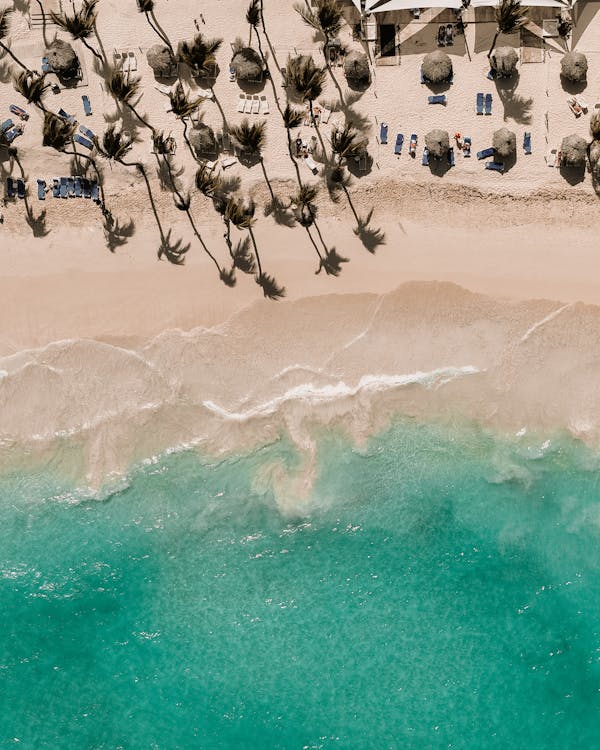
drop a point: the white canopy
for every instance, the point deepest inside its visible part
(526, 3)
(379, 6)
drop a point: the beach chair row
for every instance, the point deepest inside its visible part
(8, 130)
(70, 187)
(15, 187)
(253, 104)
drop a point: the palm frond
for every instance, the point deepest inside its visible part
(271, 289)
(250, 137)
(124, 88)
(292, 117)
(327, 16)
(331, 263)
(181, 105)
(200, 54)
(57, 132)
(510, 16)
(243, 259)
(306, 77)
(346, 142)
(145, 6)
(5, 14)
(81, 24)
(114, 144)
(227, 276)
(30, 85)
(207, 182)
(253, 13)
(240, 215)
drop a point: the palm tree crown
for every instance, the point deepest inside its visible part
(346, 142)
(145, 6)
(30, 85)
(326, 17)
(57, 132)
(124, 88)
(238, 214)
(181, 106)
(114, 144)
(200, 54)
(307, 78)
(253, 13)
(251, 137)
(510, 17)
(81, 24)
(292, 118)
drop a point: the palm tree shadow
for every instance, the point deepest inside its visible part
(573, 87)
(173, 250)
(38, 225)
(5, 73)
(117, 233)
(371, 237)
(573, 175)
(516, 107)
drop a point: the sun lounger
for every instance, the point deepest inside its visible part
(83, 141)
(467, 146)
(488, 104)
(87, 107)
(494, 166)
(412, 146)
(485, 154)
(325, 115)
(20, 188)
(425, 159)
(248, 105)
(56, 188)
(78, 187)
(241, 103)
(87, 188)
(166, 90)
(86, 132)
(41, 189)
(18, 111)
(311, 164)
(95, 192)
(451, 157)
(205, 93)
(67, 117)
(527, 142)
(491, 75)
(264, 105)
(63, 187)
(232, 74)
(71, 187)
(449, 35)
(383, 131)
(46, 68)
(399, 142)
(552, 157)
(437, 99)
(441, 36)
(10, 188)
(479, 107)
(10, 135)
(6, 125)
(255, 104)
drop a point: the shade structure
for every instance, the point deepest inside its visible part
(248, 65)
(504, 61)
(62, 58)
(438, 143)
(504, 142)
(533, 3)
(595, 124)
(574, 66)
(437, 67)
(357, 3)
(595, 156)
(161, 60)
(380, 6)
(573, 151)
(202, 139)
(356, 67)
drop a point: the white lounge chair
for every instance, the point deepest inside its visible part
(248, 107)
(166, 90)
(325, 115)
(255, 104)
(311, 164)
(551, 157)
(264, 105)
(205, 93)
(241, 103)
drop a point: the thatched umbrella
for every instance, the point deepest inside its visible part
(356, 68)
(437, 66)
(595, 156)
(248, 65)
(62, 58)
(573, 67)
(161, 60)
(504, 61)
(438, 143)
(595, 125)
(573, 151)
(504, 142)
(202, 139)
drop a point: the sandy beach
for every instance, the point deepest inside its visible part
(480, 300)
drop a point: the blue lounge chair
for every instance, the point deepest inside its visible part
(495, 166)
(20, 188)
(83, 141)
(383, 131)
(479, 104)
(66, 116)
(87, 188)
(412, 146)
(95, 192)
(41, 190)
(488, 104)
(78, 187)
(485, 154)
(10, 135)
(56, 188)
(492, 74)
(71, 187)
(451, 157)
(425, 159)
(6, 125)
(46, 67)
(467, 147)
(423, 79)
(437, 99)
(87, 132)
(63, 187)
(87, 107)
(10, 188)
(527, 142)
(19, 111)
(399, 142)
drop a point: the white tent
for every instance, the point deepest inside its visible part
(525, 3)
(379, 6)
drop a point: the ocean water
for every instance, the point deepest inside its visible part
(439, 589)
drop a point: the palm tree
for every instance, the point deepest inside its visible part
(5, 14)
(253, 17)
(81, 25)
(114, 146)
(126, 90)
(147, 8)
(292, 118)
(327, 17)
(251, 138)
(510, 17)
(331, 263)
(31, 86)
(182, 107)
(57, 132)
(207, 182)
(346, 143)
(200, 55)
(307, 78)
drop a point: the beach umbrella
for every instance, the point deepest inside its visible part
(504, 142)
(595, 156)
(573, 67)
(573, 151)
(504, 61)
(437, 66)
(62, 58)
(356, 67)
(248, 65)
(438, 143)
(161, 60)
(202, 139)
(595, 125)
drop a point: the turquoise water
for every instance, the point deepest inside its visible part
(442, 592)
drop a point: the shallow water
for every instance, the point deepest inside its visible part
(440, 589)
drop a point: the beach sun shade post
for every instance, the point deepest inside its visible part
(504, 142)
(573, 151)
(437, 67)
(437, 143)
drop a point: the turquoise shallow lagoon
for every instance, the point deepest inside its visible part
(441, 590)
